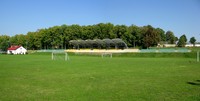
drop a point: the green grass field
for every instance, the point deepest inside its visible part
(35, 77)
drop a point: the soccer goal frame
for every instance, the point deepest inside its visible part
(106, 55)
(59, 56)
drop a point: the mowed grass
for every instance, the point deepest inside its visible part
(92, 78)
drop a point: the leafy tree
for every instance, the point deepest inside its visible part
(185, 38)
(182, 41)
(4, 42)
(67, 35)
(150, 37)
(134, 36)
(13, 40)
(109, 31)
(161, 32)
(102, 30)
(18, 39)
(45, 38)
(76, 31)
(87, 32)
(63, 37)
(120, 30)
(170, 38)
(56, 37)
(30, 40)
(38, 38)
(192, 40)
(59, 36)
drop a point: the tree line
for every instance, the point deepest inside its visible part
(58, 37)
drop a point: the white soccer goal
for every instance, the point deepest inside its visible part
(59, 56)
(106, 55)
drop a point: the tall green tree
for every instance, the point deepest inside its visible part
(102, 31)
(4, 42)
(30, 40)
(62, 36)
(134, 33)
(161, 32)
(38, 36)
(18, 39)
(182, 41)
(56, 37)
(87, 32)
(150, 37)
(192, 40)
(185, 38)
(120, 30)
(68, 35)
(170, 38)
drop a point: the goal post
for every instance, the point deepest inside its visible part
(66, 57)
(59, 56)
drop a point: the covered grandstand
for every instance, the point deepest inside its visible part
(98, 44)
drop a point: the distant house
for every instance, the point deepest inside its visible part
(16, 50)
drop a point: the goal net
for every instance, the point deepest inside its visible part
(106, 55)
(59, 56)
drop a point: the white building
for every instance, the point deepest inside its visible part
(197, 45)
(169, 45)
(16, 50)
(191, 45)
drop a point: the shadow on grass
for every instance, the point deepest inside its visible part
(195, 83)
(198, 80)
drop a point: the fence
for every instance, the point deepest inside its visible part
(58, 50)
(165, 50)
(151, 50)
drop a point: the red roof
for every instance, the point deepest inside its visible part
(13, 47)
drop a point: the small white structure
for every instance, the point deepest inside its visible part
(191, 45)
(169, 45)
(197, 45)
(16, 50)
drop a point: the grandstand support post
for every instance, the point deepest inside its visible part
(198, 56)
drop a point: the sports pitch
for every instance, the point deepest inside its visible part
(35, 77)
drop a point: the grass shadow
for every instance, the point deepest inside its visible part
(198, 80)
(195, 83)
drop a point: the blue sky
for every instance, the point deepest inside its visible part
(22, 16)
